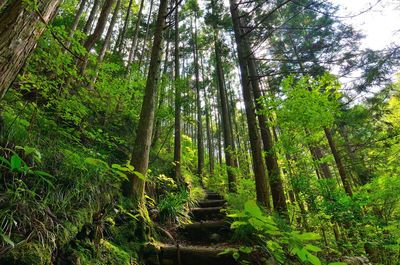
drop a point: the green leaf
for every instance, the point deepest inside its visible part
(309, 236)
(252, 208)
(312, 248)
(16, 162)
(139, 175)
(44, 176)
(7, 239)
(246, 250)
(313, 259)
(5, 161)
(337, 263)
(237, 224)
(95, 162)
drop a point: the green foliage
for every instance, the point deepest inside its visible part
(173, 207)
(273, 241)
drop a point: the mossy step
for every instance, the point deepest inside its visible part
(208, 231)
(209, 213)
(194, 255)
(211, 203)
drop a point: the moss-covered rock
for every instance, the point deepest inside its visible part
(27, 254)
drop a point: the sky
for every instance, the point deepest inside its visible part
(380, 25)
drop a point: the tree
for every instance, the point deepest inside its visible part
(78, 16)
(229, 143)
(106, 43)
(178, 99)
(262, 187)
(141, 150)
(22, 20)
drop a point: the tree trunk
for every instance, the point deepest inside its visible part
(161, 99)
(143, 51)
(133, 49)
(126, 22)
(261, 179)
(106, 44)
(339, 164)
(19, 32)
(178, 118)
(229, 146)
(271, 160)
(200, 142)
(141, 150)
(98, 31)
(101, 24)
(92, 15)
(208, 125)
(74, 26)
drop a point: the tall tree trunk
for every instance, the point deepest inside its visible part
(19, 32)
(78, 16)
(98, 31)
(323, 167)
(178, 99)
(106, 44)
(161, 99)
(358, 164)
(120, 45)
(261, 178)
(229, 146)
(101, 24)
(218, 119)
(92, 15)
(339, 163)
(141, 150)
(208, 123)
(133, 49)
(271, 160)
(200, 142)
(143, 51)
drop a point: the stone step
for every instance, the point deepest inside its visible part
(194, 255)
(211, 203)
(206, 232)
(209, 213)
(213, 196)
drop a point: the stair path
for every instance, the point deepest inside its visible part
(201, 242)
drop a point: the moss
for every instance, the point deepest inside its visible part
(84, 252)
(28, 254)
(125, 236)
(113, 254)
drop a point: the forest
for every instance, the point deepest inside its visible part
(197, 132)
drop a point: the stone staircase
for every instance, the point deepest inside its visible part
(201, 242)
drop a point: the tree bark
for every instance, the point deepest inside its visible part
(19, 32)
(261, 178)
(178, 99)
(126, 22)
(98, 31)
(229, 146)
(101, 24)
(141, 150)
(143, 51)
(92, 15)
(106, 44)
(339, 163)
(133, 49)
(74, 26)
(271, 160)
(200, 142)
(208, 124)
